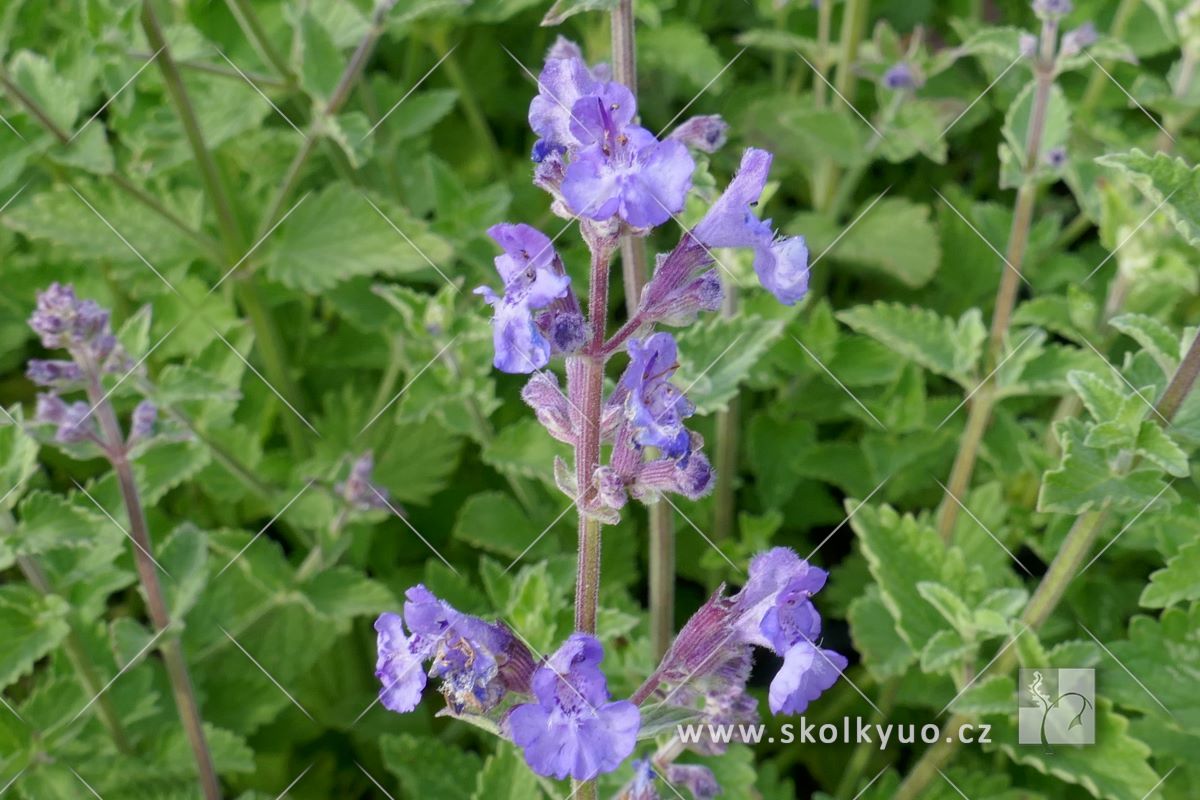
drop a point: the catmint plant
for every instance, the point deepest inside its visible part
(617, 179)
(91, 427)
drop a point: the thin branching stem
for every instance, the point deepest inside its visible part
(979, 413)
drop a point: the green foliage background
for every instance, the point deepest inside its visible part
(326, 311)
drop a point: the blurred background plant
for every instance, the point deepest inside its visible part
(284, 205)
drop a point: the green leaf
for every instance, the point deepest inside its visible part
(935, 342)
(428, 767)
(506, 776)
(495, 522)
(995, 694)
(1154, 337)
(1084, 479)
(562, 9)
(184, 555)
(943, 651)
(1177, 582)
(682, 51)
(525, 449)
(320, 58)
(341, 593)
(335, 235)
(894, 237)
(1055, 131)
(1164, 654)
(31, 625)
(884, 652)
(49, 521)
(1102, 399)
(419, 113)
(1167, 180)
(717, 354)
(948, 603)
(1156, 445)
(50, 88)
(1115, 767)
(18, 458)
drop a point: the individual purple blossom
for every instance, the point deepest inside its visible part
(642, 786)
(533, 279)
(141, 421)
(72, 420)
(564, 80)
(626, 172)
(478, 662)
(1027, 43)
(1079, 39)
(359, 490)
(705, 133)
(653, 405)
(1056, 157)
(780, 263)
(54, 372)
(900, 76)
(696, 778)
(573, 728)
(1052, 9)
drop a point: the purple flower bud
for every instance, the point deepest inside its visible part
(564, 48)
(1028, 44)
(781, 265)
(565, 330)
(703, 293)
(697, 779)
(72, 419)
(611, 488)
(1052, 9)
(359, 490)
(55, 373)
(477, 662)
(533, 279)
(642, 786)
(550, 405)
(1056, 157)
(55, 311)
(705, 133)
(81, 327)
(573, 729)
(142, 421)
(900, 76)
(1077, 40)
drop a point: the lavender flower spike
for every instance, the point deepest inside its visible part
(573, 729)
(781, 264)
(533, 279)
(478, 662)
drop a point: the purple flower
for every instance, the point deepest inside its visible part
(654, 407)
(533, 279)
(477, 662)
(642, 786)
(1052, 9)
(697, 779)
(81, 327)
(141, 423)
(73, 420)
(705, 133)
(1056, 157)
(564, 80)
(550, 405)
(781, 264)
(1077, 40)
(626, 172)
(55, 372)
(900, 76)
(358, 490)
(1028, 44)
(573, 729)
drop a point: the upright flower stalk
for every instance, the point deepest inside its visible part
(87, 429)
(979, 413)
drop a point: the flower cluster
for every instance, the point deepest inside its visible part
(558, 712)
(63, 321)
(709, 662)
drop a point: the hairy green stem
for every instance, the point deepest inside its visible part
(726, 456)
(854, 24)
(824, 26)
(250, 24)
(979, 413)
(266, 334)
(1063, 569)
(341, 92)
(74, 647)
(156, 603)
(1098, 79)
(861, 756)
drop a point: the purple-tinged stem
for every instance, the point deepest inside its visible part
(156, 603)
